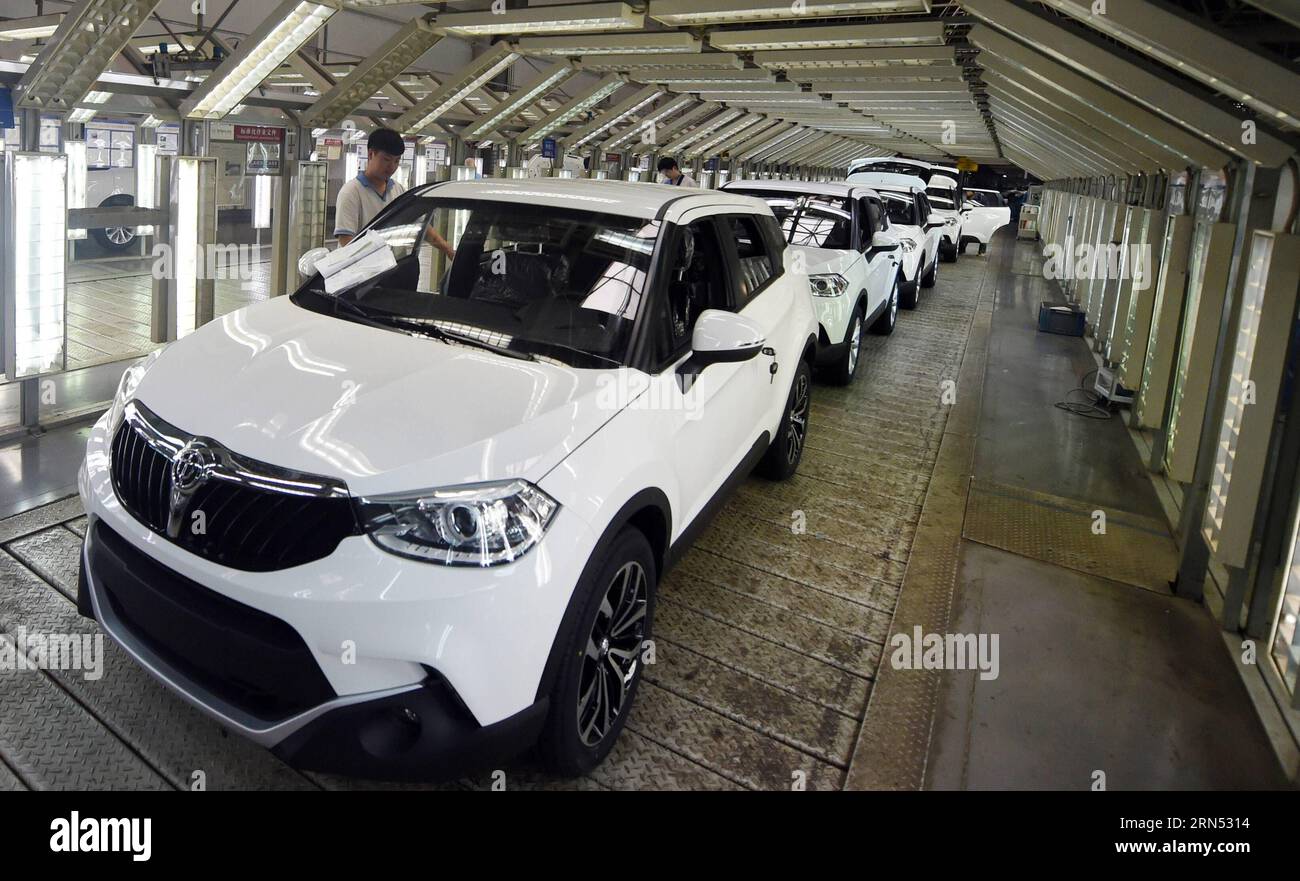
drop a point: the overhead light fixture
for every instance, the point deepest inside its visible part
(701, 12)
(726, 133)
(37, 27)
(522, 97)
(557, 19)
(749, 98)
(838, 36)
(702, 75)
(193, 209)
(82, 47)
(665, 133)
(664, 61)
(456, 88)
(793, 59)
(86, 114)
(703, 129)
(379, 69)
(611, 44)
(281, 34)
(749, 88)
(580, 104)
(612, 117)
(647, 123)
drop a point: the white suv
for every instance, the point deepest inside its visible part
(917, 227)
(409, 525)
(941, 192)
(843, 236)
(984, 212)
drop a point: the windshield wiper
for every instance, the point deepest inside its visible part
(448, 335)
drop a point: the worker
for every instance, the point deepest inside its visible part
(674, 175)
(373, 189)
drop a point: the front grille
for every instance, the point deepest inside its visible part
(244, 514)
(252, 661)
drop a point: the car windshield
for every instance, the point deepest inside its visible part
(812, 220)
(528, 281)
(895, 168)
(900, 209)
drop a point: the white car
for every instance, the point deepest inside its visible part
(941, 192)
(915, 224)
(852, 257)
(407, 526)
(984, 212)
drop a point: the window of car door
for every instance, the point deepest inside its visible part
(756, 261)
(873, 219)
(697, 279)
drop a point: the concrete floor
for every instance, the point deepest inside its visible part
(1095, 675)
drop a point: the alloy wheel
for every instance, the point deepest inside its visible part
(119, 235)
(855, 345)
(612, 655)
(797, 425)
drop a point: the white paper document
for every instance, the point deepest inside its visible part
(362, 259)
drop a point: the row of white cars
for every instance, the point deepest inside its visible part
(409, 521)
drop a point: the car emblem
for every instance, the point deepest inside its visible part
(190, 470)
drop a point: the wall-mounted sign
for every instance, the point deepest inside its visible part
(6, 109)
(613, 157)
(548, 148)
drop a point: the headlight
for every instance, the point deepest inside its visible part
(126, 387)
(951, 221)
(484, 524)
(908, 244)
(831, 285)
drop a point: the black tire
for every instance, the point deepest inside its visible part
(930, 278)
(118, 239)
(781, 460)
(948, 252)
(843, 371)
(888, 320)
(572, 742)
(908, 291)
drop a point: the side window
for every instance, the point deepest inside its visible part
(697, 280)
(923, 205)
(873, 217)
(753, 253)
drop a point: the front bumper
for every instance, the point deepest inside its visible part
(350, 642)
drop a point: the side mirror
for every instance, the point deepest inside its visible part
(719, 338)
(883, 241)
(934, 221)
(307, 262)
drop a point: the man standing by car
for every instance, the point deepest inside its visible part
(361, 198)
(673, 175)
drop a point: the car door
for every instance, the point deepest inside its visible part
(882, 265)
(933, 230)
(707, 416)
(983, 215)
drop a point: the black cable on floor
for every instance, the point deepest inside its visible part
(1090, 407)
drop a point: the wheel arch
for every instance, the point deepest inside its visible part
(650, 513)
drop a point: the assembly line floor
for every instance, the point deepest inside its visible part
(108, 306)
(770, 640)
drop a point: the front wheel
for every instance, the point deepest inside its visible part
(847, 366)
(888, 320)
(948, 252)
(930, 278)
(782, 458)
(602, 665)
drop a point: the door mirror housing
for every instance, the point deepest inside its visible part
(719, 338)
(307, 262)
(883, 241)
(934, 221)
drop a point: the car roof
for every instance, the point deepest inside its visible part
(887, 180)
(641, 200)
(875, 160)
(943, 182)
(821, 188)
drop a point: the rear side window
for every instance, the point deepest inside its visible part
(755, 254)
(873, 217)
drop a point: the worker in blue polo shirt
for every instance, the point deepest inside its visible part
(361, 198)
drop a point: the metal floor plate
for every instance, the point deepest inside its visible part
(768, 639)
(1133, 549)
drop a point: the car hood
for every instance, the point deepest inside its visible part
(821, 261)
(383, 411)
